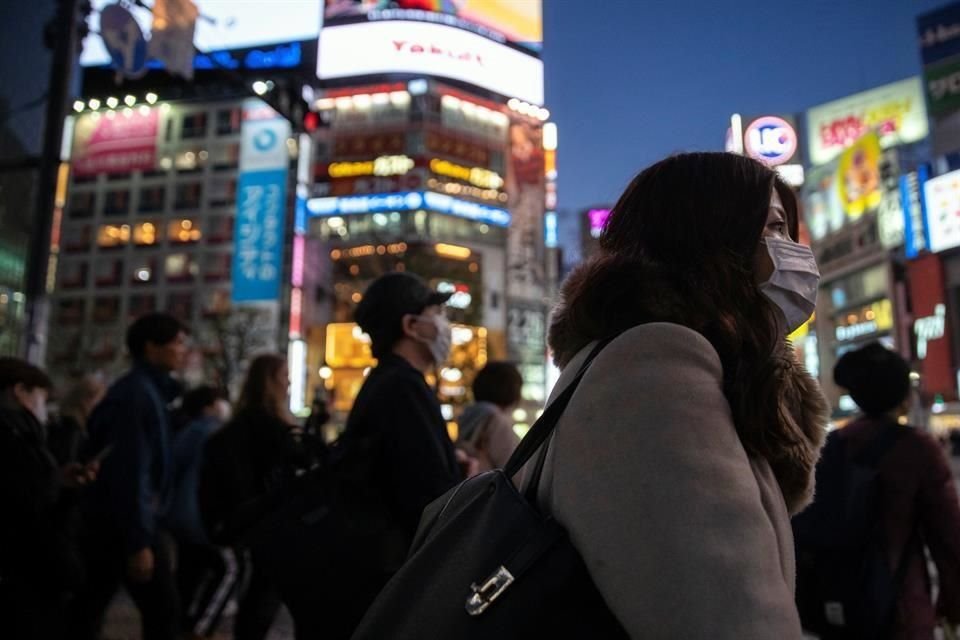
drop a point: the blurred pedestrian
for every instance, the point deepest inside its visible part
(486, 426)
(68, 433)
(207, 575)
(39, 563)
(124, 542)
(694, 433)
(396, 441)
(247, 469)
(885, 492)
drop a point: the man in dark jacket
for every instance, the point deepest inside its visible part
(396, 433)
(123, 542)
(38, 563)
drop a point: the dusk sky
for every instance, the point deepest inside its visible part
(631, 81)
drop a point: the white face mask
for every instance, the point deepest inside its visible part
(794, 282)
(441, 343)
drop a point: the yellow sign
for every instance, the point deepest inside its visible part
(858, 176)
(382, 166)
(477, 176)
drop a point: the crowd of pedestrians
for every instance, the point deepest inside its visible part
(682, 468)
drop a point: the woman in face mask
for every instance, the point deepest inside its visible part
(693, 435)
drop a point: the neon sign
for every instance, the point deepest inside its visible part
(408, 201)
(929, 329)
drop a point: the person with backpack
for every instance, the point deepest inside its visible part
(395, 445)
(485, 427)
(247, 470)
(124, 541)
(207, 574)
(885, 492)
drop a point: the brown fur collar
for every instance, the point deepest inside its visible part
(606, 296)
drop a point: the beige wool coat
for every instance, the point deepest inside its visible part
(684, 534)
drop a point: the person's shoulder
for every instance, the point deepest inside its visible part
(665, 346)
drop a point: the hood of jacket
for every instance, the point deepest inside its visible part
(606, 296)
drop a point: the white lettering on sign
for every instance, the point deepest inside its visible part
(856, 330)
(438, 50)
(930, 328)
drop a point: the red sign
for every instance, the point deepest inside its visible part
(926, 280)
(116, 142)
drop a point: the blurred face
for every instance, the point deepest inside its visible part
(775, 227)
(170, 356)
(33, 400)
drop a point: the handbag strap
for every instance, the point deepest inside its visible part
(540, 431)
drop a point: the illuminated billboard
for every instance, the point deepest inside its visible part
(423, 48)
(942, 197)
(409, 201)
(515, 21)
(226, 26)
(896, 112)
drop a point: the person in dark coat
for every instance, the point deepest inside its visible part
(920, 505)
(245, 471)
(124, 541)
(396, 438)
(67, 435)
(39, 565)
(207, 575)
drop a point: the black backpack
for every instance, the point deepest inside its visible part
(486, 563)
(845, 586)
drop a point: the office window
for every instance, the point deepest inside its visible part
(183, 231)
(116, 203)
(228, 121)
(113, 235)
(152, 199)
(194, 125)
(82, 204)
(188, 195)
(108, 272)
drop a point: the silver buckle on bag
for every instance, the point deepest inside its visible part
(483, 595)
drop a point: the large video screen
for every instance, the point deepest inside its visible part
(224, 25)
(399, 46)
(516, 21)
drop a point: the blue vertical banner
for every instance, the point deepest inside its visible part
(261, 204)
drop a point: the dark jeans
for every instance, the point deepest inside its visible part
(157, 599)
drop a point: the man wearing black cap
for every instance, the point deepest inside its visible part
(395, 433)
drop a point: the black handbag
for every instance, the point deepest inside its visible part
(485, 563)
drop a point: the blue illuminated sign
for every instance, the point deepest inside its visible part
(550, 232)
(408, 201)
(261, 204)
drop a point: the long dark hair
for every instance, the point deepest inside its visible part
(255, 394)
(692, 224)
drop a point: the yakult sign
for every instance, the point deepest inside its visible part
(896, 112)
(398, 46)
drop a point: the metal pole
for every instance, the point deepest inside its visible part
(64, 58)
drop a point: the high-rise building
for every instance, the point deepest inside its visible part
(432, 159)
(431, 152)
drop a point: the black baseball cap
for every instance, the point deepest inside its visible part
(387, 300)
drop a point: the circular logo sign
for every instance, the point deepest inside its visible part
(770, 140)
(264, 140)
